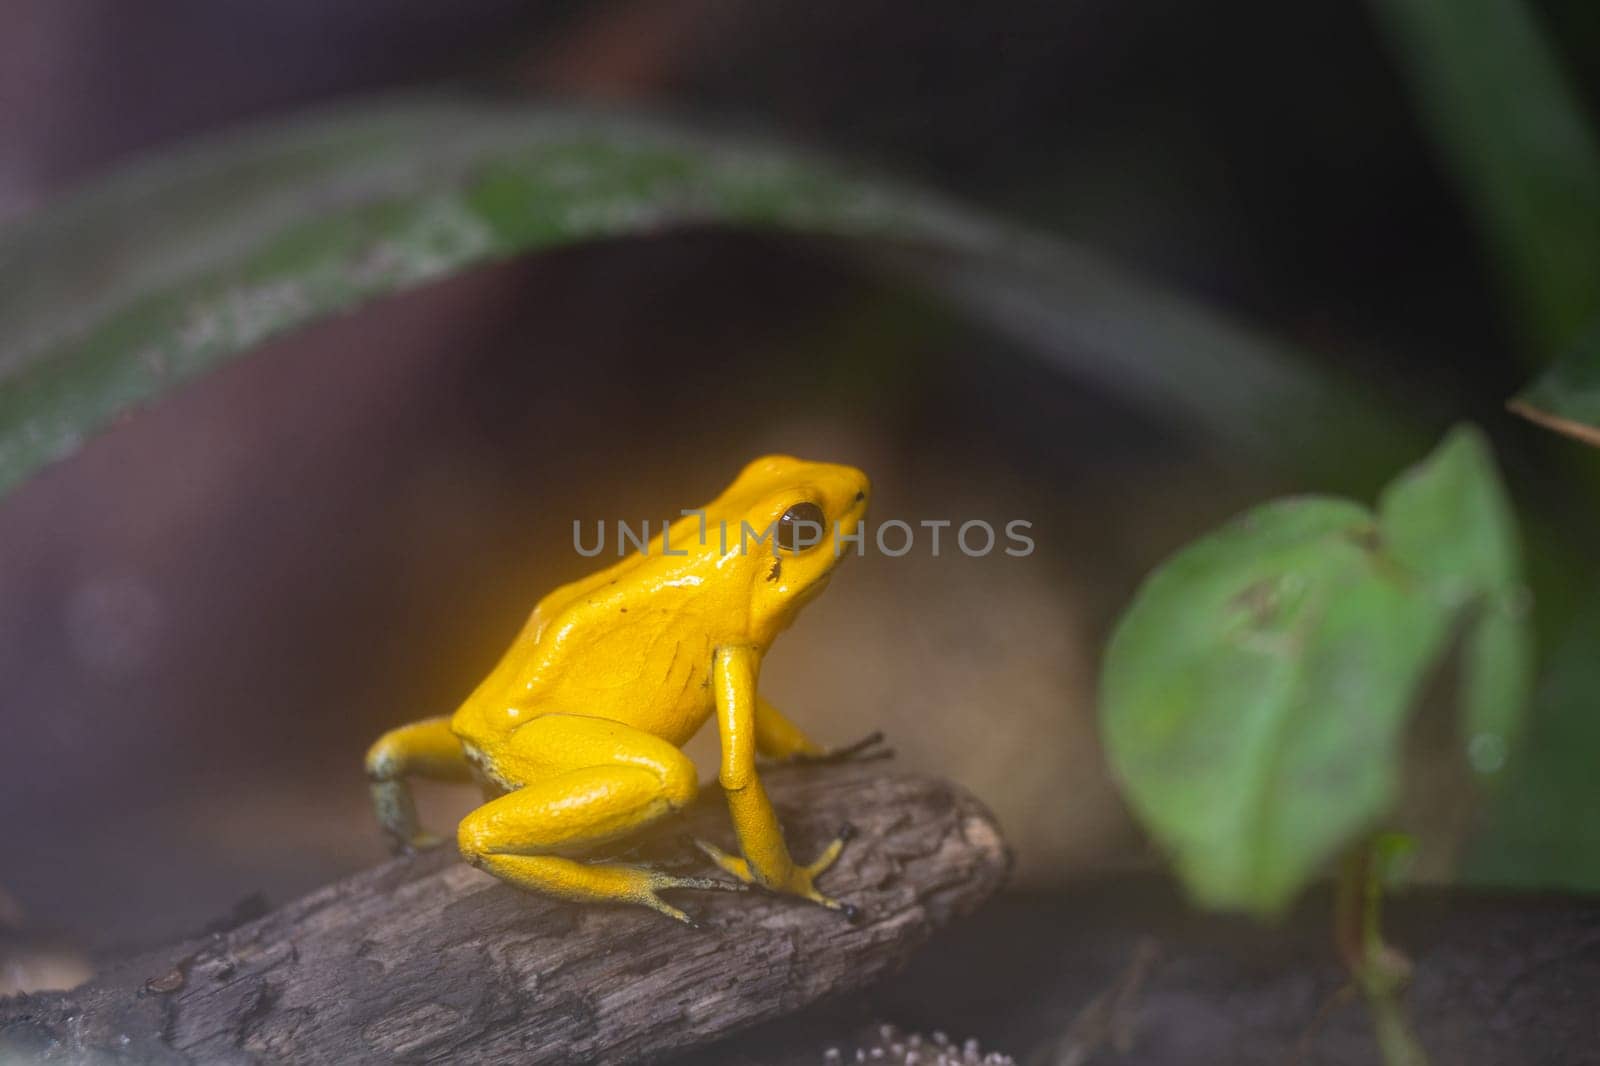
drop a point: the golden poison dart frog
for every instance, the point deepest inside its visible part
(576, 733)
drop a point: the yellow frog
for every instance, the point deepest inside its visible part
(577, 731)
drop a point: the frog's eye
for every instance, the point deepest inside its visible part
(801, 527)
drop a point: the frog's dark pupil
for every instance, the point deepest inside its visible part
(801, 527)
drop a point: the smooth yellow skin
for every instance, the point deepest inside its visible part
(576, 734)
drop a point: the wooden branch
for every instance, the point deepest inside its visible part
(425, 958)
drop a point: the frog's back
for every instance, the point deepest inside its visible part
(619, 644)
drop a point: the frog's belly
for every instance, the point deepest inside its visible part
(483, 768)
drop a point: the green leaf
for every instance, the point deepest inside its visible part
(1543, 831)
(1254, 693)
(171, 267)
(1504, 112)
(1495, 96)
(1496, 683)
(1566, 397)
(1448, 521)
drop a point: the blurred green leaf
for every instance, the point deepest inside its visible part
(1566, 397)
(170, 267)
(1254, 694)
(1543, 831)
(1504, 113)
(1497, 684)
(1448, 521)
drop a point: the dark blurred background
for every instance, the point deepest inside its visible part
(208, 613)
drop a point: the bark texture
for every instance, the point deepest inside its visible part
(425, 959)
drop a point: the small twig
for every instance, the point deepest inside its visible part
(1330, 1003)
(1379, 970)
(1109, 1017)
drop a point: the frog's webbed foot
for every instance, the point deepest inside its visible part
(870, 748)
(801, 880)
(661, 882)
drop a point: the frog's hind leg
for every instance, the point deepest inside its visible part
(590, 781)
(422, 749)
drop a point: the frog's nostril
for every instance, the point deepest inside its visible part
(860, 496)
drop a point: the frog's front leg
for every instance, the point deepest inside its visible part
(781, 740)
(422, 749)
(766, 860)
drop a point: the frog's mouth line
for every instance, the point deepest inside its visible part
(820, 582)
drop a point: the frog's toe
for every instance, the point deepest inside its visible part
(661, 906)
(870, 748)
(413, 844)
(831, 853)
(807, 875)
(715, 884)
(658, 882)
(850, 911)
(731, 864)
